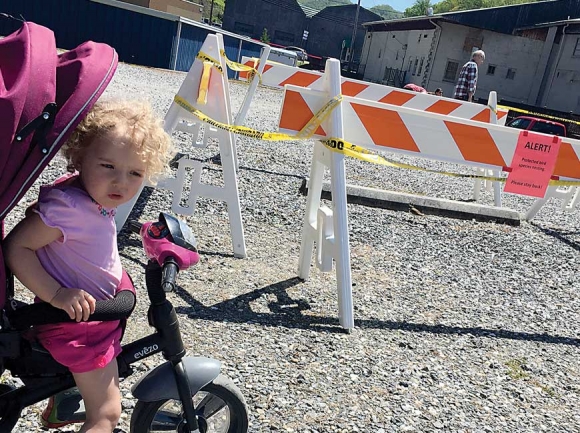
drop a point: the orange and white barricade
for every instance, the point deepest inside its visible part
(380, 126)
(278, 75)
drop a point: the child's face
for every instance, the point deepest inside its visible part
(111, 171)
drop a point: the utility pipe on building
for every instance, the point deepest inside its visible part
(352, 39)
(546, 92)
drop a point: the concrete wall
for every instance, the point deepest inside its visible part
(404, 50)
(419, 45)
(142, 3)
(502, 51)
(526, 56)
(383, 50)
(563, 86)
(183, 8)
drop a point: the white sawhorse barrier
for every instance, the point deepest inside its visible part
(570, 196)
(206, 88)
(278, 75)
(378, 126)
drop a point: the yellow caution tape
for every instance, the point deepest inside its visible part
(238, 67)
(204, 83)
(358, 152)
(205, 58)
(334, 144)
(535, 113)
(306, 132)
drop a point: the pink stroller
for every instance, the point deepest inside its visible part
(43, 96)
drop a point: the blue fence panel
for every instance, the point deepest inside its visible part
(138, 38)
(190, 42)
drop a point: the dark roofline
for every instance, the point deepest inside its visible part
(468, 11)
(550, 24)
(401, 24)
(501, 19)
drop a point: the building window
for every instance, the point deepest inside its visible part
(415, 66)
(491, 70)
(511, 73)
(410, 64)
(243, 28)
(284, 38)
(577, 48)
(420, 66)
(451, 70)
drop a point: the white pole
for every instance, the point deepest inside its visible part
(339, 211)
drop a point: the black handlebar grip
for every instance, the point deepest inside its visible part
(170, 271)
(42, 313)
(153, 277)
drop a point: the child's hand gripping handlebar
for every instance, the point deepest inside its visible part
(167, 242)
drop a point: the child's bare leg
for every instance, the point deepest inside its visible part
(100, 391)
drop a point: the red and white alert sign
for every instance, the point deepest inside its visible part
(533, 164)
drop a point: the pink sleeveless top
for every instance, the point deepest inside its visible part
(86, 257)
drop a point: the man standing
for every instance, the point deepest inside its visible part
(467, 81)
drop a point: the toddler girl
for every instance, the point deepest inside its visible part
(65, 250)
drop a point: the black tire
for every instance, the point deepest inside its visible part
(218, 404)
(9, 411)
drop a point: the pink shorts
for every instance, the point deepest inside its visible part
(82, 346)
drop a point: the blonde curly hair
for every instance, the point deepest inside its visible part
(134, 121)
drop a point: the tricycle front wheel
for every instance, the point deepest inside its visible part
(220, 408)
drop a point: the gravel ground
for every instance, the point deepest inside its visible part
(461, 326)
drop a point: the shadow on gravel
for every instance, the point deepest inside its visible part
(275, 173)
(561, 235)
(147, 191)
(288, 312)
(216, 159)
(284, 311)
(475, 331)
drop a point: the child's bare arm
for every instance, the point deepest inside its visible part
(21, 243)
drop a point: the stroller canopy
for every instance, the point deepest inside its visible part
(35, 83)
(43, 97)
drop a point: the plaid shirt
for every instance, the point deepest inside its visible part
(467, 81)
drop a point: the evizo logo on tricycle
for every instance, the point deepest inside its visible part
(146, 351)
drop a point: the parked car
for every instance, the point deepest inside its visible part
(301, 53)
(284, 56)
(538, 125)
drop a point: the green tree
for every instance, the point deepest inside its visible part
(218, 10)
(461, 5)
(387, 12)
(265, 37)
(419, 8)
